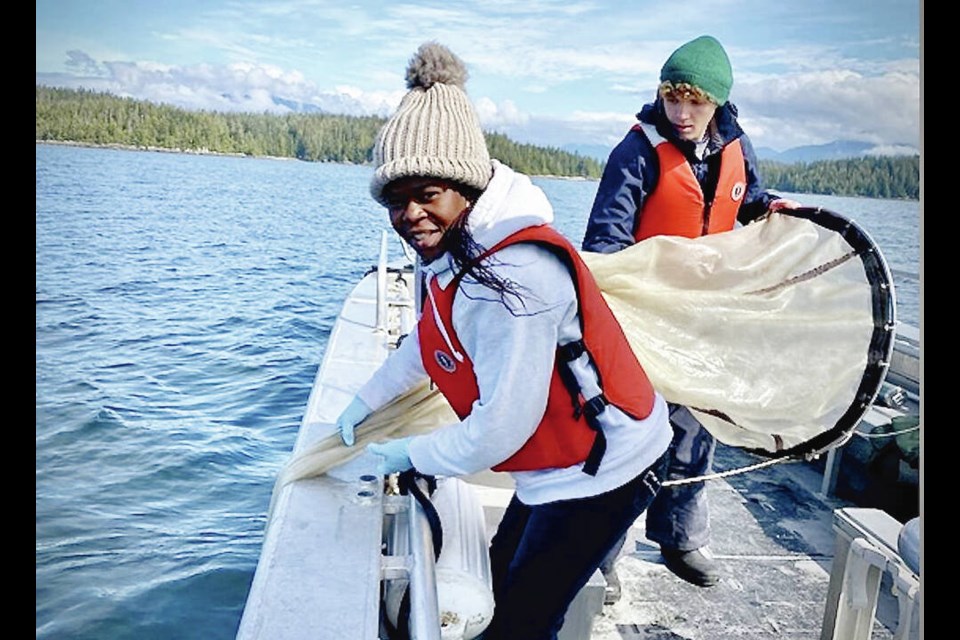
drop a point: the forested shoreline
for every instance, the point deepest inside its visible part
(85, 117)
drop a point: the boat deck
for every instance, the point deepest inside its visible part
(774, 533)
(773, 538)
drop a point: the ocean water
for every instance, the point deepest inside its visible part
(183, 304)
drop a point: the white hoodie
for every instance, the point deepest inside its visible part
(513, 351)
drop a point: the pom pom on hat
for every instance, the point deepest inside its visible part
(435, 131)
(702, 62)
(434, 63)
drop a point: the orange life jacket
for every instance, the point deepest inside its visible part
(676, 207)
(568, 433)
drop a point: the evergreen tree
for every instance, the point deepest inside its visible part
(88, 117)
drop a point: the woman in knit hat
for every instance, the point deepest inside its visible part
(686, 168)
(516, 335)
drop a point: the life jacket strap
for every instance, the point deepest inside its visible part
(566, 354)
(592, 408)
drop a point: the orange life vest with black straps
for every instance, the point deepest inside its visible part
(676, 206)
(568, 433)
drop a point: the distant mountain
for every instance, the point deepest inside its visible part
(296, 106)
(836, 150)
(333, 104)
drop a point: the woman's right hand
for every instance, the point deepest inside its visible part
(355, 413)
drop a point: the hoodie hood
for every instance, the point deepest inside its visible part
(511, 202)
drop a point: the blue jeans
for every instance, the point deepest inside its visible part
(679, 517)
(542, 555)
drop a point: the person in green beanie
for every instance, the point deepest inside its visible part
(686, 168)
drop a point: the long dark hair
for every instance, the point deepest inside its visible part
(465, 253)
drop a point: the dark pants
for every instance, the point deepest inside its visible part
(541, 556)
(679, 517)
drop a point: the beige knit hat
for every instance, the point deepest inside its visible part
(435, 131)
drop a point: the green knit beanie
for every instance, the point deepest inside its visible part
(703, 63)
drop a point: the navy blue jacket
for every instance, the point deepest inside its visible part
(633, 168)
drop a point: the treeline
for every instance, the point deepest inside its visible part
(78, 115)
(869, 176)
(88, 117)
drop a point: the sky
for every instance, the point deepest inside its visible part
(546, 72)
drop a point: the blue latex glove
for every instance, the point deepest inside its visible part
(395, 453)
(354, 414)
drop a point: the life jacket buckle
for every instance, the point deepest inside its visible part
(571, 351)
(593, 408)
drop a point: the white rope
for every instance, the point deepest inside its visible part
(724, 474)
(767, 463)
(889, 434)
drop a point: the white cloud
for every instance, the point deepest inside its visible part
(356, 101)
(498, 116)
(890, 150)
(819, 107)
(580, 129)
(780, 112)
(533, 61)
(235, 87)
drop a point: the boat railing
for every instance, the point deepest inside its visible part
(388, 297)
(866, 547)
(897, 400)
(410, 564)
(382, 284)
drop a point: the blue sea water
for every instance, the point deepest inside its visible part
(183, 303)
